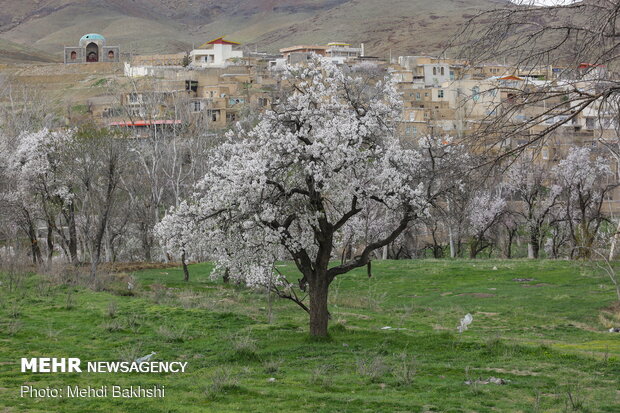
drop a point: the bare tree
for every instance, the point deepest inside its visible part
(579, 41)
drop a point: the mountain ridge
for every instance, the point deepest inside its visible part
(168, 26)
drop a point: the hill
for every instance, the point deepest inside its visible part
(149, 26)
(15, 53)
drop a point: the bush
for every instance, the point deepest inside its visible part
(272, 366)
(130, 353)
(373, 368)
(222, 381)
(112, 308)
(113, 326)
(173, 334)
(405, 369)
(244, 347)
(320, 376)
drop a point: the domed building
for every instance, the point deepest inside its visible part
(92, 49)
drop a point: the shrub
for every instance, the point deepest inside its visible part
(373, 368)
(405, 369)
(320, 376)
(113, 326)
(272, 366)
(112, 308)
(69, 301)
(244, 347)
(130, 353)
(173, 334)
(222, 381)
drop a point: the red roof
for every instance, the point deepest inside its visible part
(146, 123)
(220, 40)
(510, 77)
(587, 65)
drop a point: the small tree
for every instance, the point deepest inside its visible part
(290, 186)
(485, 211)
(527, 182)
(582, 181)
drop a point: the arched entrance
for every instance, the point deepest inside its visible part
(92, 53)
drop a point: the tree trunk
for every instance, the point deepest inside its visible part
(452, 246)
(507, 250)
(50, 243)
(437, 251)
(146, 242)
(72, 235)
(473, 249)
(319, 315)
(533, 247)
(185, 270)
(34, 243)
(614, 241)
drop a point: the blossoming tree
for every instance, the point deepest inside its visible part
(584, 182)
(35, 185)
(291, 186)
(484, 212)
(530, 184)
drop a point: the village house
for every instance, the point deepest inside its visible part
(215, 53)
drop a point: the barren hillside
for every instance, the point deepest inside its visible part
(43, 27)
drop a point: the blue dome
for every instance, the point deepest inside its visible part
(90, 37)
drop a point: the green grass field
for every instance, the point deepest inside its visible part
(546, 337)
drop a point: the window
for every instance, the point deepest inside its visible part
(417, 96)
(475, 93)
(442, 71)
(262, 102)
(73, 55)
(135, 98)
(214, 114)
(440, 93)
(136, 112)
(434, 71)
(191, 85)
(196, 106)
(414, 131)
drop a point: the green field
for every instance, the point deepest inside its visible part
(547, 338)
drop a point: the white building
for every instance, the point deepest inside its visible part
(216, 53)
(340, 52)
(436, 74)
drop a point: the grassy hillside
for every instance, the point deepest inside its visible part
(148, 26)
(540, 326)
(11, 53)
